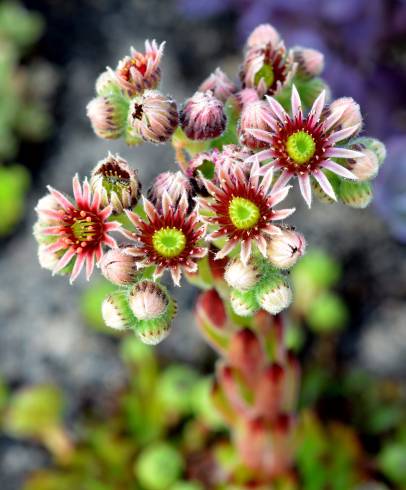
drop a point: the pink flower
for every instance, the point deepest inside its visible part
(241, 208)
(168, 239)
(79, 229)
(303, 146)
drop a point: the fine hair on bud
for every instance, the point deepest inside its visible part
(107, 114)
(242, 276)
(148, 300)
(274, 295)
(203, 116)
(244, 303)
(219, 84)
(286, 248)
(118, 267)
(115, 311)
(310, 62)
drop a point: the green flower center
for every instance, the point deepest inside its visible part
(83, 229)
(300, 147)
(244, 214)
(169, 242)
(267, 73)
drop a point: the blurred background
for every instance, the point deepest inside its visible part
(350, 330)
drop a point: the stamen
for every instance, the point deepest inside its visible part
(244, 214)
(169, 242)
(301, 147)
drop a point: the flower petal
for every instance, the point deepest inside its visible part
(318, 106)
(296, 103)
(324, 183)
(305, 188)
(336, 152)
(338, 169)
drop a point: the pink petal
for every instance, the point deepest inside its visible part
(267, 180)
(89, 265)
(149, 209)
(296, 102)
(280, 194)
(110, 242)
(338, 169)
(105, 213)
(167, 204)
(324, 184)
(336, 152)
(318, 106)
(272, 229)
(277, 109)
(261, 135)
(305, 188)
(134, 218)
(80, 260)
(96, 201)
(225, 250)
(261, 156)
(343, 134)
(86, 193)
(332, 119)
(77, 189)
(262, 245)
(245, 252)
(55, 247)
(281, 182)
(281, 214)
(176, 273)
(62, 200)
(63, 261)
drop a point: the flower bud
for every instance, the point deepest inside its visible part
(355, 194)
(116, 312)
(106, 83)
(118, 267)
(284, 249)
(246, 96)
(366, 167)
(240, 276)
(374, 145)
(153, 117)
(254, 116)
(47, 260)
(263, 34)
(245, 353)
(116, 182)
(173, 183)
(310, 62)
(148, 300)
(141, 71)
(203, 116)
(219, 84)
(108, 115)
(274, 295)
(351, 114)
(244, 303)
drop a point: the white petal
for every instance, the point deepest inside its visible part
(343, 133)
(318, 106)
(261, 135)
(277, 109)
(339, 170)
(336, 152)
(324, 184)
(283, 179)
(280, 194)
(245, 251)
(305, 188)
(296, 102)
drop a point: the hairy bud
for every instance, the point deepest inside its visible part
(116, 182)
(203, 116)
(351, 112)
(254, 115)
(310, 62)
(148, 300)
(108, 115)
(366, 167)
(219, 84)
(240, 276)
(274, 295)
(115, 311)
(118, 267)
(374, 145)
(355, 194)
(244, 303)
(173, 183)
(106, 83)
(285, 249)
(263, 34)
(153, 117)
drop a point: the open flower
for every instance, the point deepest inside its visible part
(169, 239)
(241, 207)
(140, 71)
(78, 228)
(303, 145)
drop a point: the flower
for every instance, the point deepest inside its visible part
(78, 229)
(304, 146)
(219, 83)
(140, 71)
(203, 116)
(117, 183)
(168, 239)
(240, 207)
(267, 68)
(153, 117)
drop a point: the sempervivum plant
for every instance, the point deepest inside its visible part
(218, 221)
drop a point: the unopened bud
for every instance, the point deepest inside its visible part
(153, 116)
(246, 354)
(175, 184)
(240, 276)
(366, 167)
(263, 34)
(106, 83)
(246, 96)
(203, 116)
(254, 116)
(285, 249)
(219, 84)
(351, 114)
(140, 71)
(148, 300)
(116, 182)
(244, 303)
(152, 332)
(310, 62)
(116, 312)
(355, 194)
(118, 267)
(274, 295)
(374, 145)
(108, 115)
